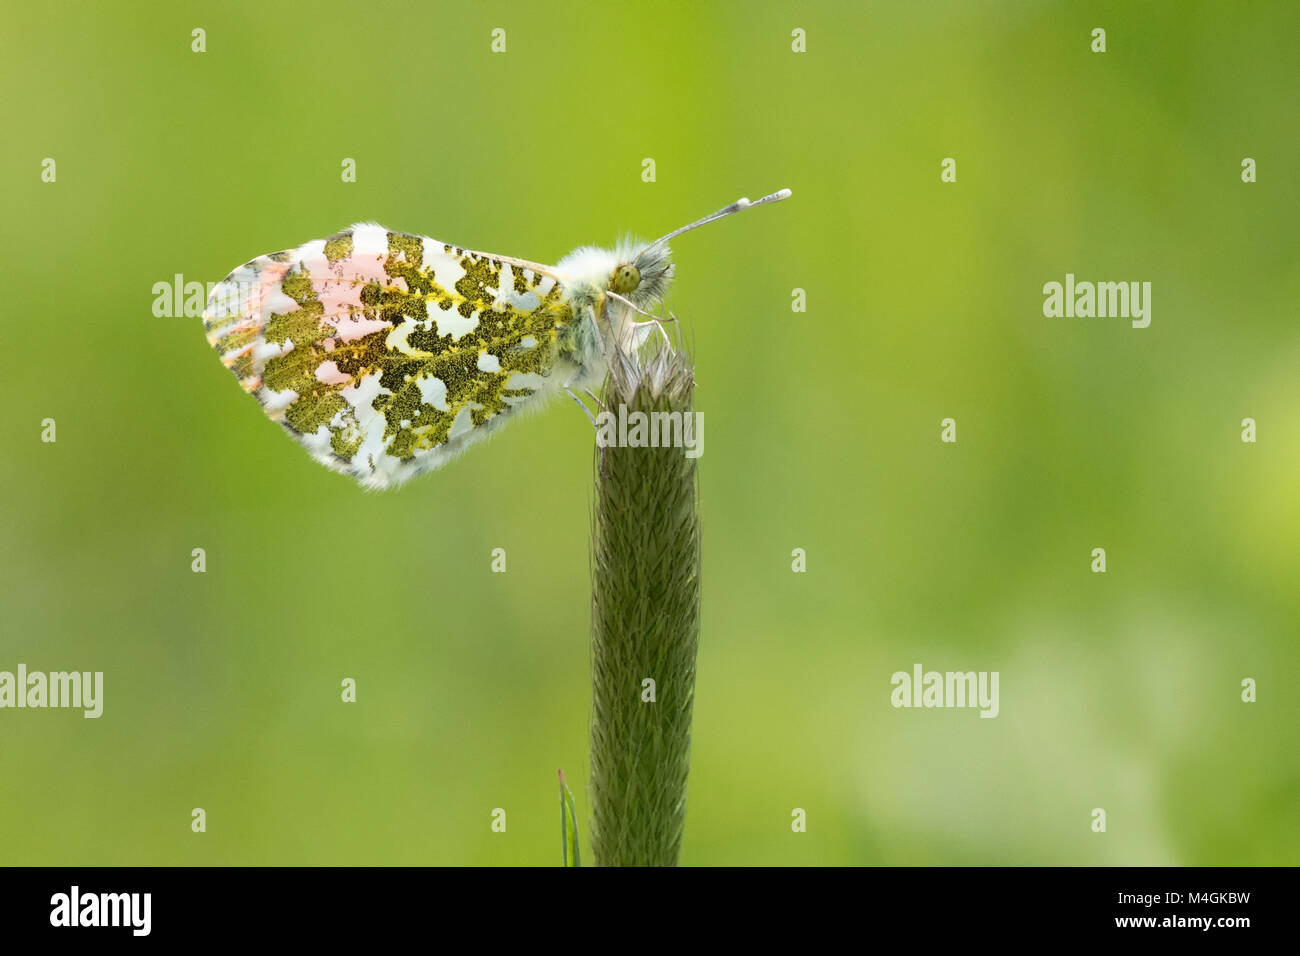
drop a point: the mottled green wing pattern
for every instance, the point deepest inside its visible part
(383, 353)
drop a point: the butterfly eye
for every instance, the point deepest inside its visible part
(625, 279)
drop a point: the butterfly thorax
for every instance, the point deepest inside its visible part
(634, 271)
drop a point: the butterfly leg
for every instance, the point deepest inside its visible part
(658, 324)
(673, 318)
(651, 319)
(585, 410)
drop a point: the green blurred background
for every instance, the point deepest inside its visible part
(1119, 691)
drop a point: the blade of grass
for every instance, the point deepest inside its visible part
(571, 853)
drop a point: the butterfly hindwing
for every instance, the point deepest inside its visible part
(384, 353)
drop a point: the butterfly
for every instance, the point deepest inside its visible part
(386, 354)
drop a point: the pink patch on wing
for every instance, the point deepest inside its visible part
(327, 373)
(269, 276)
(358, 327)
(338, 289)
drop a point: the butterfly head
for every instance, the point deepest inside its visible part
(625, 279)
(644, 272)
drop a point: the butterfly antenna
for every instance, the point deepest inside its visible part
(740, 205)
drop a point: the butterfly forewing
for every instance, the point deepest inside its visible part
(384, 353)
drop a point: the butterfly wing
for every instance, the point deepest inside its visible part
(385, 354)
